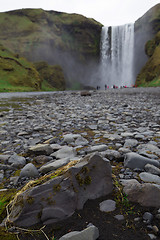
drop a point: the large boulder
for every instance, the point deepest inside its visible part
(146, 194)
(59, 197)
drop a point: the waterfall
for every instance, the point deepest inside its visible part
(117, 56)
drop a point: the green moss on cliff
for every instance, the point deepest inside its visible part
(52, 74)
(150, 73)
(17, 74)
(68, 40)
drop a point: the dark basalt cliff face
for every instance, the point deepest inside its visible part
(69, 40)
(147, 47)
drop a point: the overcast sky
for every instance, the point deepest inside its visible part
(108, 12)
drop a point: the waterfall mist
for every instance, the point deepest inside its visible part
(117, 56)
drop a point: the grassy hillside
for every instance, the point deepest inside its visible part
(34, 27)
(17, 74)
(52, 76)
(68, 40)
(150, 73)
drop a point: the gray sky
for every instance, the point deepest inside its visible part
(108, 12)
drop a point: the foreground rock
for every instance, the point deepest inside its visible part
(146, 194)
(58, 198)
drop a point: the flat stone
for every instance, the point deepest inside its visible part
(107, 206)
(152, 169)
(97, 148)
(64, 152)
(119, 217)
(54, 165)
(41, 149)
(148, 177)
(134, 160)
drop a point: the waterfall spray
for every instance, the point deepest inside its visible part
(117, 56)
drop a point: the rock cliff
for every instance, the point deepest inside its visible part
(147, 48)
(69, 40)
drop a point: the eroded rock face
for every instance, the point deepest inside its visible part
(58, 198)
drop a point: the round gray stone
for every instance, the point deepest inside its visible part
(107, 206)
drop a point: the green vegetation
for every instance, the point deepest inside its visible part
(52, 76)
(5, 198)
(17, 74)
(150, 73)
(26, 31)
(54, 37)
(47, 87)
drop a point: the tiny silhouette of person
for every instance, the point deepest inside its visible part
(105, 86)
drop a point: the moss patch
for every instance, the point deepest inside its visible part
(150, 73)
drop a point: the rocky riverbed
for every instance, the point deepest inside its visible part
(41, 133)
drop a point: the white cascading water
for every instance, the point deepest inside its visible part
(117, 56)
